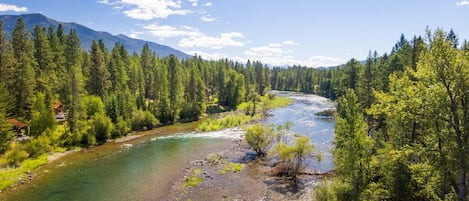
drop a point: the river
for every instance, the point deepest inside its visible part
(147, 170)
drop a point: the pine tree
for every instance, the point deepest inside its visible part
(74, 87)
(352, 145)
(24, 84)
(6, 133)
(42, 116)
(175, 88)
(7, 63)
(45, 69)
(98, 81)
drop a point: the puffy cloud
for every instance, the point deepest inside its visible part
(8, 7)
(198, 39)
(148, 9)
(208, 4)
(462, 3)
(192, 37)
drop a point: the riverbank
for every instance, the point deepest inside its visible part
(218, 179)
(29, 170)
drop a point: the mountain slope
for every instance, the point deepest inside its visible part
(87, 35)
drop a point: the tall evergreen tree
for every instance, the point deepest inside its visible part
(7, 62)
(175, 88)
(24, 84)
(45, 70)
(352, 145)
(98, 81)
(74, 86)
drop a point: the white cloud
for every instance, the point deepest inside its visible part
(323, 61)
(194, 2)
(8, 7)
(266, 51)
(207, 18)
(289, 42)
(273, 49)
(208, 4)
(166, 31)
(192, 37)
(462, 3)
(148, 9)
(208, 56)
(198, 39)
(275, 54)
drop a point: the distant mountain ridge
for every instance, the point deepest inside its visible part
(87, 35)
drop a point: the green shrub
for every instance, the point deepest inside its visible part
(101, 127)
(16, 154)
(142, 120)
(259, 138)
(38, 146)
(121, 128)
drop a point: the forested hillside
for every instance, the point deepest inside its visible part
(69, 97)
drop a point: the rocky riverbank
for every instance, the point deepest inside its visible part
(234, 174)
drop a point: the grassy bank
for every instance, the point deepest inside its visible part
(244, 113)
(10, 176)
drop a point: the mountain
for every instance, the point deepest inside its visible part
(87, 35)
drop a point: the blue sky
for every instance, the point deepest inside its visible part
(307, 32)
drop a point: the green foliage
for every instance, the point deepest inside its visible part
(16, 154)
(101, 127)
(332, 190)
(352, 152)
(259, 138)
(92, 105)
(42, 116)
(194, 179)
(24, 83)
(228, 121)
(295, 155)
(9, 176)
(121, 128)
(38, 146)
(142, 120)
(231, 167)
(6, 131)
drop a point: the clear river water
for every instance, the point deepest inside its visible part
(147, 170)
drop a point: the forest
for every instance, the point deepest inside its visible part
(402, 123)
(69, 97)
